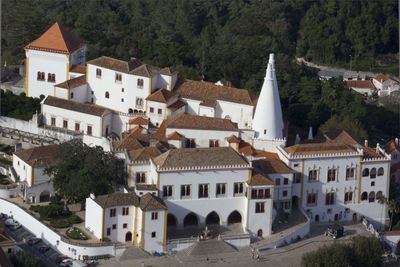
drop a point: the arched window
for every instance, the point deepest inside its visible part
(381, 171)
(365, 172)
(130, 111)
(371, 197)
(373, 173)
(379, 195)
(107, 95)
(72, 95)
(364, 196)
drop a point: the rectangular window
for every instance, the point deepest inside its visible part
(140, 83)
(159, 111)
(221, 190)
(77, 127)
(108, 231)
(98, 73)
(312, 199)
(114, 226)
(122, 100)
(154, 216)
(139, 103)
(267, 193)
(167, 191)
(284, 193)
(330, 199)
(203, 190)
(118, 77)
(140, 177)
(260, 207)
(238, 189)
(285, 181)
(65, 124)
(350, 171)
(260, 193)
(287, 205)
(125, 225)
(277, 181)
(185, 191)
(214, 143)
(297, 178)
(331, 175)
(125, 211)
(53, 121)
(190, 143)
(348, 197)
(312, 175)
(113, 212)
(151, 110)
(153, 234)
(89, 130)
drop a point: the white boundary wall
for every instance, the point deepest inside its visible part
(51, 237)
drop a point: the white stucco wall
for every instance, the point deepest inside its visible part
(93, 217)
(119, 233)
(157, 226)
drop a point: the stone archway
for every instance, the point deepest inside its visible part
(128, 237)
(44, 196)
(171, 221)
(260, 233)
(190, 220)
(212, 218)
(234, 217)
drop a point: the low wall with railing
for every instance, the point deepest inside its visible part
(66, 246)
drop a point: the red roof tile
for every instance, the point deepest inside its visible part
(139, 121)
(359, 84)
(381, 77)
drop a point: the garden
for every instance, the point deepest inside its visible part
(76, 233)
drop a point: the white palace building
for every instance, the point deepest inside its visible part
(197, 154)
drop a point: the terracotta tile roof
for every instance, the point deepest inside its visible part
(128, 144)
(246, 148)
(146, 187)
(186, 121)
(168, 71)
(175, 136)
(369, 152)
(210, 93)
(319, 148)
(265, 154)
(117, 199)
(259, 179)
(138, 140)
(381, 77)
(139, 121)
(72, 83)
(233, 139)
(139, 129)
(56, 39)
(145, 70)
(37, 156)
(161, 95)
(116, 64)
(269, 166)
(348, 138)
(150, 202)
(86, 108)
(143, 154)
(176, 105)
(78, 69)
(391, 146)
(199, 157)
(359, 84)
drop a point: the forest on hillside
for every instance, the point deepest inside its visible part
(231, 40)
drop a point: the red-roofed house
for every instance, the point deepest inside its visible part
(364, 87)
(49, 59)
(385, 85)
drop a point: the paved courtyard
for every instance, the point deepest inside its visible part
(210, 254)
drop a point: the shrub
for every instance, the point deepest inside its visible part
(61, 223)
(34, 208)
(105, 239)
(50, 211)
(73, 219)
(76, 233)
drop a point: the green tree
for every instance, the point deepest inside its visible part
(24, 259)
(367, 251)
(80, 170)
(336, 255)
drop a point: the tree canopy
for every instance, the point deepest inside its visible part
(79, 170)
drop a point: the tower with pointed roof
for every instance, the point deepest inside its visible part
(268, 122)
(49, 59)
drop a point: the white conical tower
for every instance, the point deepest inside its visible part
(268, 121)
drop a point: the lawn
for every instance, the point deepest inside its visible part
(76, 233)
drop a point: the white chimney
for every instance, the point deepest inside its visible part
(366, 143)
(396, 141)
(92, 196)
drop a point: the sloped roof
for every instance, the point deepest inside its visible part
(391, 146)
(161, 95)
(138, 140)
(78, 69)
(319, 148)
(116, 64)
(86, 108)
(270, 166)
(143, 154)
(246, 148)
(359, 84)
(42, 155)
(187, 121)
(151, 202)
(260, 179)
(199, 157)
(209, 92)
(139, 121)
(175, 136)
(117, 199)
(348, 138)
(168, 71)
(176, 105)
(233, 139)
(381, 77)
(145, 70)
(56, 39)
(146, 187)
(72, 83)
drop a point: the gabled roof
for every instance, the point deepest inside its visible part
(78, 69)
(72, 83)
(359, 84)
(117, 199)
(270, 166)
(161, 95)
(187, 121)
(260, 179)
(116, 64)
(139, 121)
(56, 39)
(233, 139)
(168, 71)
(145, 70)
(176, 105)
(133, 141)
(143, 154)
(381, 77)
(86, 108)
(199, 157)
(175, 136)
(392, 146)
(151, 202)
(209, 92)
(348, 138)
(37, 156)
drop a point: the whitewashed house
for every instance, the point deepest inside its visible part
(50, 58)
(29, 166)
(127, 217)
